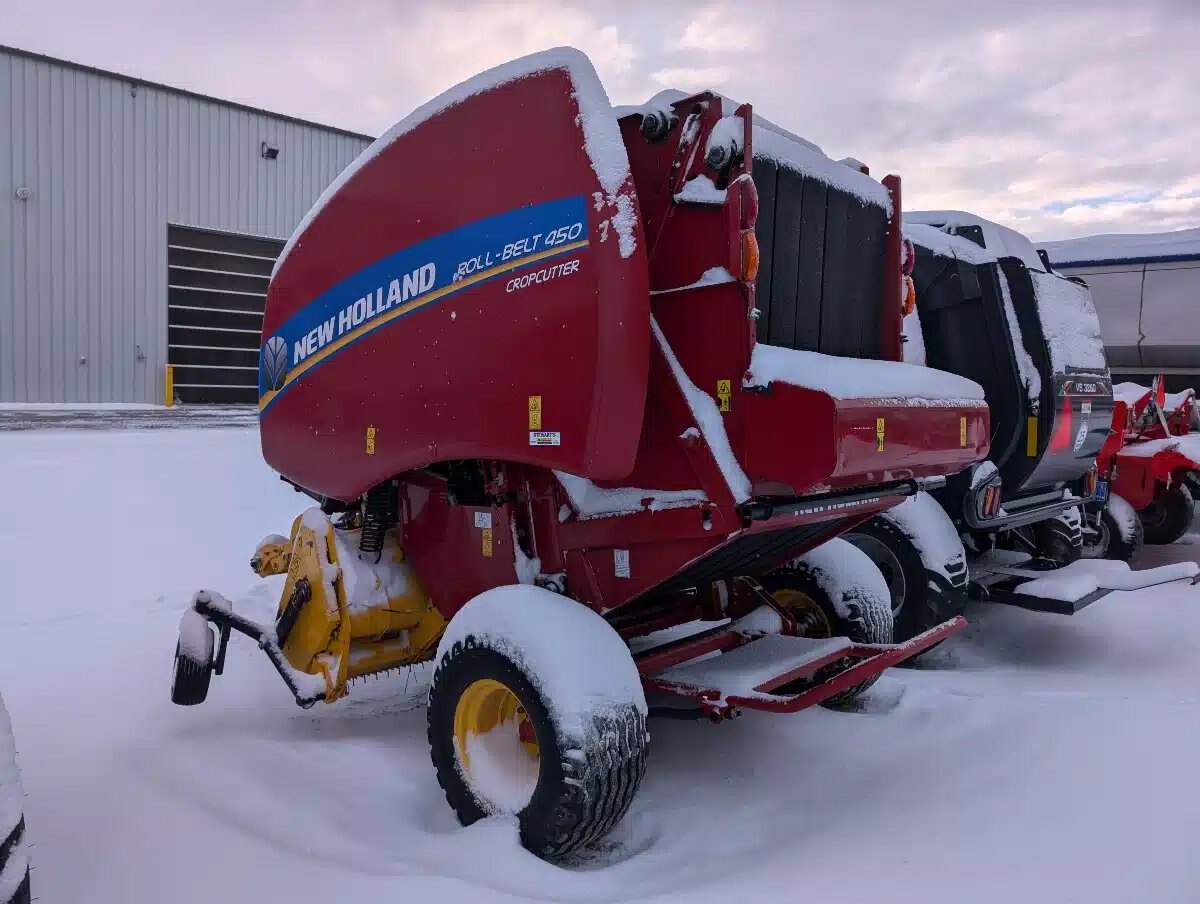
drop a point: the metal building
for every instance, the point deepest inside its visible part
(1147, 293)
(139, 228)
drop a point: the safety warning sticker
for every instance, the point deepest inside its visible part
(621, 562)
(724, 394)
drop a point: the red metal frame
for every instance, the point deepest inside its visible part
(721, 639)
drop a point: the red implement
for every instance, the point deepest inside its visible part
(517, 315)
(515, 348)
(1151, 459)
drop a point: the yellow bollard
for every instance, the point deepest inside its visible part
(169, 386)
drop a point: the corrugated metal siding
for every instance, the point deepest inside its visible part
(83, 262)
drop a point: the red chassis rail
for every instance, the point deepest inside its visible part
(862, 661)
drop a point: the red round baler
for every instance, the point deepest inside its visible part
(513, 354)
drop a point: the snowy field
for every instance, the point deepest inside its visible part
(1038, 759)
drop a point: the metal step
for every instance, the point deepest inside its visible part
(769, 672)
(756, 668)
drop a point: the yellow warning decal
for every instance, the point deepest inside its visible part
(370, 440)
(487, 542)
(880, 426)
(724, 394)
(962, 431)
(535, 412)
(1031, 438)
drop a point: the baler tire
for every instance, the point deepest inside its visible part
(1168, 517)
(1057, 542)
(1110, 543)
(866, 625)
(190, 680)
(23, 894)
(926, 602)
(584, 785)
(15, 842)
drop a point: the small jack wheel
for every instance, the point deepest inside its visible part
(193, 660)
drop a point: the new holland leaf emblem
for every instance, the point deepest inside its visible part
(275, 362)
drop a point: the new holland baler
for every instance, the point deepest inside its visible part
(511, 355)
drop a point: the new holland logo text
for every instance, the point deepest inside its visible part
(368, 307)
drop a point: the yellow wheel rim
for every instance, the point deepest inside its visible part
(486, 705)
(810, 618)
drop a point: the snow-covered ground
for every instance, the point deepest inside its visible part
(1037, 759)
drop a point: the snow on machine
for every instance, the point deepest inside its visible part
(511, 355)
(1149, 468)
(988, 308)
(14, 849)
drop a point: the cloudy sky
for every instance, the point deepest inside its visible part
(1057, 118)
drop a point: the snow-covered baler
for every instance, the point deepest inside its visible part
(989, 308)
(511, 354)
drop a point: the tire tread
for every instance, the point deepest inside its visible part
(189, 685)
(599, 773)
(931, 598)
(11, 843)
(1179, 510)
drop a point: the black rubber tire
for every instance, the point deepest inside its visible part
(927, 601)
(1169, 517)
(1109, 544)
(584, 786)
(190, 680)
(15, 839)
(23, 894)
(865, 625)
(13, 842)
(1192, 482)
(1057, 542)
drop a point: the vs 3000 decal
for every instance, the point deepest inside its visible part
(417, 276)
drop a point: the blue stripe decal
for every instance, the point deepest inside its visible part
(412, 278)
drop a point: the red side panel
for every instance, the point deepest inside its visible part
(463, 295)
(1135, 481)
(458, 550)
(1140, 478)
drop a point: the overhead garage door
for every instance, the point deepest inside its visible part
(216, 291)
